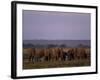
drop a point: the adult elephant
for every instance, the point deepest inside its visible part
(47, 54)
(53, 54)
(39, 55)
(28, 54)
(70, 54)
(31, 54)
(80, 53)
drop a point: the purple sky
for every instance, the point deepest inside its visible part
(45, 25)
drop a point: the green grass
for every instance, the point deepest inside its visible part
(55, 64)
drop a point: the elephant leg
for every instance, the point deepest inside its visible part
(33, 59)
(30, 59)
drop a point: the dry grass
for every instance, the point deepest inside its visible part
(55, 64)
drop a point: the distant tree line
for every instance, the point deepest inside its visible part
(51, 45)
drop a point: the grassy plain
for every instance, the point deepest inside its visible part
(55, 64)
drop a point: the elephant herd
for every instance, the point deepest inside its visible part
(54, 54)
